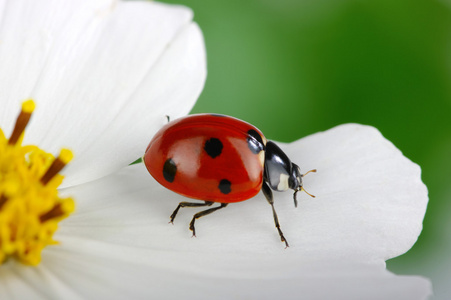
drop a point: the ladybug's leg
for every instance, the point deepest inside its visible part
(268, 194)
(203, 213)
(188, 204)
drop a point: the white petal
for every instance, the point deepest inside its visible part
(369, 207)
(122, 220)
(370, 198)
(104, 75)
(23, 282)
(88, 269)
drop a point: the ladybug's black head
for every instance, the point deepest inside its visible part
(280, 173)
(297, 182)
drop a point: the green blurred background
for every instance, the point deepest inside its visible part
(294, 67)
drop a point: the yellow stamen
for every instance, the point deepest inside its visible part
(30, 207)
(57, 165)
(2, 200)
(22, 121)
(28, 106)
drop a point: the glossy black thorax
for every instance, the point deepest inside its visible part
(280, 173)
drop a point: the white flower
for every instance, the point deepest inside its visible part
(92, 66)
(104, 75)
(369, 207)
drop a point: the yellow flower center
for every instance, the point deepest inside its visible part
(30, 207)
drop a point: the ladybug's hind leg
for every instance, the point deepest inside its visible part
(204, 213)
(188, 204)
(268, 194)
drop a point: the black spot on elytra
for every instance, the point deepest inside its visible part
(213, 147)
(169, 170)
(225, 186)
(255, 141)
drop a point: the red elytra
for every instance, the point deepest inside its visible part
(193, 155)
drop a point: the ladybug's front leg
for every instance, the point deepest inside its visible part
(188, 204)
(268, 194)
(204, 213)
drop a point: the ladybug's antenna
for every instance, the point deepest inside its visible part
(295, 198)
(311, 171)
(301, 188)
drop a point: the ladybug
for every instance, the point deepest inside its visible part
(218, 158)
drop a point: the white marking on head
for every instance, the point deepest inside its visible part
(261, 157)
(283, 182)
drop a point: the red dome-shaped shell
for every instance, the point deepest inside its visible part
(208, 157)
